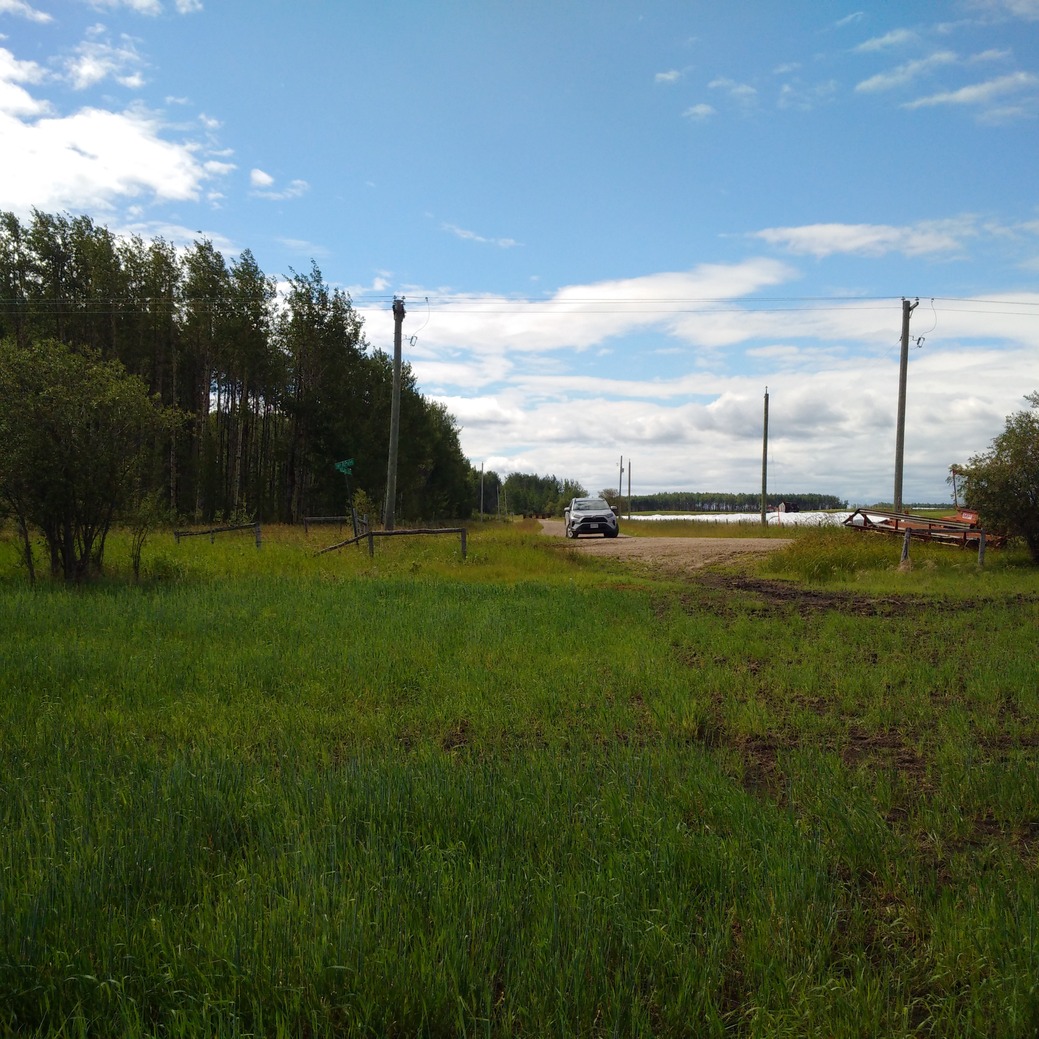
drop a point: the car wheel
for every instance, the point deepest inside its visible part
(611, 533)
(570, 533)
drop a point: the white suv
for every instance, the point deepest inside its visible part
(590, 516)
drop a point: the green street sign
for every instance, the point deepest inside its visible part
(345, 467)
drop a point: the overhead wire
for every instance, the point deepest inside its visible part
(920, 338)
(474, 304)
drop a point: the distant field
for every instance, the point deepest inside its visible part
(741, 518)
(526, 793)
(725, 525)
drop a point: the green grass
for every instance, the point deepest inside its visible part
(274, 793)
(838, 556)
(705, 528)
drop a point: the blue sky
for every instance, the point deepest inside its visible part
(614, 223)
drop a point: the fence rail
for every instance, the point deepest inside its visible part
(212, 532)
(371, 535)
(358, 523)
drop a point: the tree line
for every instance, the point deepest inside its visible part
(269, 389)
(713, 501)
(532, 495)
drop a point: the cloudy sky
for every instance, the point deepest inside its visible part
(614, 223)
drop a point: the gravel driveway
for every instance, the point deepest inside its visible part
(680, 554)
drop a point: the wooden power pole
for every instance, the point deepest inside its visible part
(391, 468)
(900, 426)
(764, 464)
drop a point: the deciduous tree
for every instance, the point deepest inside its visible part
(75, 432)
(1003, 483)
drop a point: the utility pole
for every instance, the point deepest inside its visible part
(629, 488)
(900, 428)
(620, 479)
(391, 468)
(764, 465)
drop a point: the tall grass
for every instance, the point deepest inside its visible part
(273, 793)
(839, 555)
(705, 528)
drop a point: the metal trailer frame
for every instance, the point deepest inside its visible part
(943, 530)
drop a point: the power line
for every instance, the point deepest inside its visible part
(533, 305)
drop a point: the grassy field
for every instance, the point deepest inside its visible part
(270, 793)
(686, 528)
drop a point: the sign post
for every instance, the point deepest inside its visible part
(346, 467)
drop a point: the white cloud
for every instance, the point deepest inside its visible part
(216, 168)
(179, 236)
(304, 248)
(96, 60)
(150, 8)
(820, 240)
(851, 19)
(672, 76)
(147, 7)
(24, 10)
(263, 187)
(997, 115)
(742, 93)
(906, 73)
(294, 189)
(1026, 9)
(472, 236)
(580, 317)
(505, 369)
(991, 55)
(15, 100)
(699, 112)
(979, 93)
(805, 97)
(831, 415)
(895, 38)
(92, 159)
(382, 282)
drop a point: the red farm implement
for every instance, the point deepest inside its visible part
(961, 530)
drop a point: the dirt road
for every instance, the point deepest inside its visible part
(677, 554)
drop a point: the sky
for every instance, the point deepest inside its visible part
(614, 224)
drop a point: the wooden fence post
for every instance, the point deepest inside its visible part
(981, 549)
